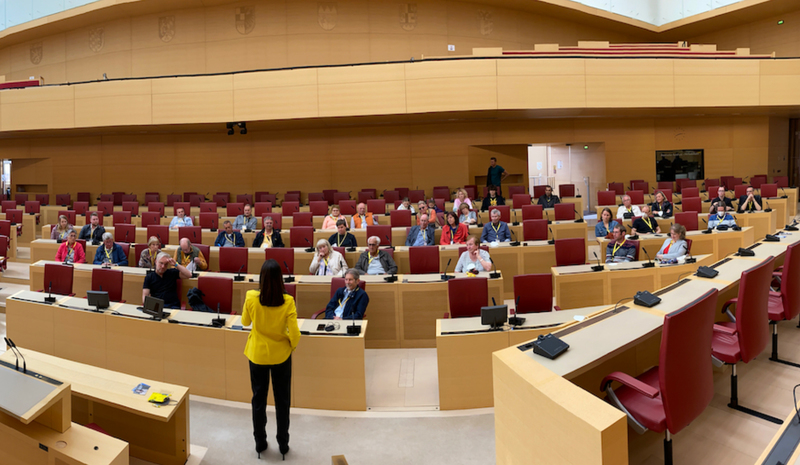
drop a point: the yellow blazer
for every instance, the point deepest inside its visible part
(274, 334)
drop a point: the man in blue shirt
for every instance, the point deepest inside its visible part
(496, 231)
(495, 175)
(349, 302)
(228, 237)
(422, 234)
(110, 253)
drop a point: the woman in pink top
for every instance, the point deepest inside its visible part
(330, 221)
(461, 197)
(71, 251)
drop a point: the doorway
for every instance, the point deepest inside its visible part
(579, 163)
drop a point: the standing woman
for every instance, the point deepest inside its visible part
(269, 348)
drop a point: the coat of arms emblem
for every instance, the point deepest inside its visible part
(327, 16)
(408, 16)
(37, 52)
(96, 39)
(245, 19)
(487, 25)
(166, 28)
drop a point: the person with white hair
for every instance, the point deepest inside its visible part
(190, 256)
(110, 253)
(375, 261)
(326, 261)
(163, 284)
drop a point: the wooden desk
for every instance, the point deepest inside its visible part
(717, 244)
(28, 229)
(783, 448)
(105, 397)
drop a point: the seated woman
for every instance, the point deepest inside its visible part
(268, 237)
(71, 251)
(605, 225)
(474, 258)
(453, 232)
(406, 205)
(461, 197)
(675, 246)
(492, 200)
(147, 259)
(330, 221)
(466, 216)
(326, 261)
(60, 231)
(661, 207)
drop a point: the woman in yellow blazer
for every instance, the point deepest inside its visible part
(269, 348)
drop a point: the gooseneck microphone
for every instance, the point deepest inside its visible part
(354, 330)
(50, 298)
(708, 227)
(580, 217)
(445, 276)
(11, 348)
(310, 247)
(239, 276)
(494, 274)
(649, 263)
(768, 209)
(688, 259)
(24, 363)
(553, 240)
(218, 322)
(597, 267)
(515, 320)
(516, 242)
(388, 241)
(289, 278)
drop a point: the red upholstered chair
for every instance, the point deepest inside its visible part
(261, 207)
(318, 207)
(739, 190)
(217, 291)
(187, 196)
(70, 214)
(414, 196)
(284, 256)
(84, 197)
(193, 233)
(277, 220)
(15, 216)
(661, 185)
(391, 252)
(43, 199)
(692, 204)
(711, 184)
(784, 305)
(391, 196)
(289, 197)
(439, 203)
(441, 192)
(137, 252)
(159, 231)
(643, 186)
(291, 289)
(329, 193)
(514, 190)
(687, 219)
(532, 212)
(339, 197)
(187, 208)
(376, 206)
(403, 191)
(58, 279)
(746, 337)
(235, 209)
(125, 233)
(209, 220)
(637, 197)
(156, 207)
(126, 247)
(221, 199)
(150, 219)
(289, 208)
(637, 245)
(538, 191)
(8, 205)
(372, 191)
(32, 207)
(129, 198)
(423, 260)
(302, 219)
(688, 245)
(472, 191)
(363, 197)
(690, 192)
(271, 198)
(151, 197)
(757, 181)
(208, 207)
(400, 218)
(769, 190)
(606, 198)
(316, 197)
(79, 207)
(63, 199)
(732, 182)
(108, 280)
(132, 207)
(534, 230)
(570, 251)
(301, 236)
(336, 284)
(121, 218)
(466, 296)
(505, 212)
(566, 190)
(617, 187)
(781, 181)
(259, 195)
(106, 208)
(564, 211)
(195, 200)
(533, 293)
(233, 259)
(5, 230)
(520, 200)
(20, 198)
(247, 198)
(668, 397)
(384, 232)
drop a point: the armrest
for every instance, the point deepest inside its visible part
(725, 329)
(557, 308)
(315, 315)
(446, 315)
(631, 382)
(727, 304)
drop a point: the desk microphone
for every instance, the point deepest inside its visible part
(784, 196)
(218, 322)
(388, 241)
(353, 330)
(17, 354)
(548, 216)
(767, 210)
(11, 348)
(515, 223)
(689, 259)
(735, 226)
(515, 320)
(290, 278)
(239, 276)
(310, 247)
(580, 217)
(494, 274)
(791, 227)
(579, 192)
(597, 267)
(635, 236)
(126, 235)
(445, 276)
(708, 228)
(159, 239)
(516, 242)
(649, 263)
(553, 240)
(50, 297)
(194, 235)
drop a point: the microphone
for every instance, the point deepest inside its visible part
(218, 322)
(159, 239)
(553, 240)
(767, 210)
(494, 274)
(516, 242)
(515, 320)
(11, 348)
(14, 347)
(388, 241)
(126, 236)
(354, 330)
(708, 227)
(310, 247)
(445, 276)
(650, 263)
(239, 276)
(515, 223)
(194, 234)
(688, 259)
(635, 236)
(784, 196)
(50, 298)
(289, 278)
(579, 192)
(548, 216)
(597, 267)
(735, 226)
(580, 217)
(791, 227)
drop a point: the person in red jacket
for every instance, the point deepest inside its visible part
(71, 251)
(454, 232)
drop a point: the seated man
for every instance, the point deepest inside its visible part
(342, 238)
(245, 222)
(71, 251)
(190, 256)
(646, 224)
(496, 231)
(268, 237)
(492, 200)
(548, 200)
(749, 202)
(620, 250)
(721, 218)
(349, 302)
(163, 284)
(110, 253)
(375, 261)
(628, 211)
(720, 202)
(92, 232)
(228, 237)
(180, 220)
(422, 234)
(362, 218)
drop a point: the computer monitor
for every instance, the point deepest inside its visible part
(494, 316)
(98, 299)
(154, 306)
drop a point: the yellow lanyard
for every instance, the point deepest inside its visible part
(108, 255)
(750, 205)
(496, 231)
(370, 258)
(339, 240)
(647, 221)
(424, 236)
(326, 262)
(229, 239)
(71, 252)
(616, 247)
(341, 304)
(152, 257)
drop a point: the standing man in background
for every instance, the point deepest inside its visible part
(495, 175)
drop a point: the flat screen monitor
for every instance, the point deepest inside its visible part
(98, 299)
(154, 306)
(494, 316)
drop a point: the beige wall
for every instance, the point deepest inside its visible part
(763, 36)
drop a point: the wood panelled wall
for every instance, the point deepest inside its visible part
(382, 157)
(763, 36)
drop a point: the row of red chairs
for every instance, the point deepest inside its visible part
(711, 184)
(608, 197)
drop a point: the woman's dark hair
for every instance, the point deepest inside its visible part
(454, 216)
(610, 215)
(271, 284)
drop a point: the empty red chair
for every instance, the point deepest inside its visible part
(423, 260)
(316, 197)
(233, 259)
(534, 230)
(20, 199)
(58, 279)
(156, 207)
(711, 185)
(564, 211)
(301, 236)
(363, 197)
(391, 196)
(108, 280)
(32, 207)
(661, 185)
(262, 207)
(637, 197)
(339, 197)
(159, 231)
(566, 190)
(692, 204)
(746, 337)
(106, 208)
(329, 195)
(151, 197)
(187, 196)
(208, 207)
(221, 199)
(414, 196)
(684, 183)
(84, 197)
(124, 232)
(383, 232)
(781, 181)
(668, 397)
(739, 190)
(15, 216)
(129, 198)
(247, 198)
(400, 218)
(195, 200)
(532, 212)
(289, 197)
(8, 205)
(121, 218)
(687, 219)
(606, 198)
(69, 214)
(63, 199)
(617, 187)
(731, 183)
(784, 305)
(187, 208)
(284, 256)
(151, 218)
(289, 208)
(302, 219)
(235, 209)
(643, 186)
(441, 192)
(403, 191)
(277, 220)
(193, 233)
(271, 198)
(43, 199)
(318, 207)
(570, 251)
(209, 220)
(347, 207)
(538, 191)
(217, 293)
(692, 192)
(131, 207)
(466, 296)
(79, 207)
(376, 206)
(520, 200)
(514, 190)
(533, 293)
(769, 190)
(259, 196)
(757, 181)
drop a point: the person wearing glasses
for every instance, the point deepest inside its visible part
(110, 253)
(71, 251)
(375, 261)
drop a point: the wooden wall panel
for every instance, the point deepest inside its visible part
(193, 100)
(468, 84)
(279, 94)
(351, 91)
(44, 107)
(96, 105)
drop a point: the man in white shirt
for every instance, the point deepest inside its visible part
(627, 211)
